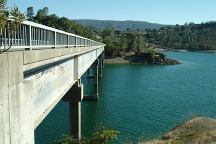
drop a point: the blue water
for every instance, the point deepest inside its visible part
(143, 101)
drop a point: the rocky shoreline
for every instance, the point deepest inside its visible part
(141, 57)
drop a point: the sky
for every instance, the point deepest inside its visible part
(156, 11)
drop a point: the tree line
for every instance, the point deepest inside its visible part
(43, 17)
(189, 36)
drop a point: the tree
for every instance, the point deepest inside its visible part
(30, 13)
(132, 41)
(140, 42)
(45, 11)
(4, 13)
(104, 136)
(10, 20)
(123, 43)
(42, 14)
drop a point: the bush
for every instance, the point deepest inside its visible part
(99, 137)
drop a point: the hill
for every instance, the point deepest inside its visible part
(189, 36)
(119, 25)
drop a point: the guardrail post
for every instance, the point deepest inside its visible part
(5, 42)
(30, 38)
(68, 41)
(55, 40)
(75, 41)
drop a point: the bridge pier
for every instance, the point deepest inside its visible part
(74, 96)
(89, 73)
(101, 62)
(103, 58)
(95, 77)
(75, 119)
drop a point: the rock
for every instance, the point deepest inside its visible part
(151, 57)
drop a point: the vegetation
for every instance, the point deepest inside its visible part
(152, 57)
(10, 20)
(132, 46)
(100, 137)
(118, 43)
(189, 36)
(123, 37)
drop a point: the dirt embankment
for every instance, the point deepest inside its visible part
(196, 131)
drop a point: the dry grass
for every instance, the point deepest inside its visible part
(196, 131)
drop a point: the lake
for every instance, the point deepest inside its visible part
(143, 101)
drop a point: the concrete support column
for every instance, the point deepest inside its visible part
(95, 95)
(103, 57)
(100, 66)
(74, 96)
(88, 72)
(89, 75)
(75, 119)
(95, 65)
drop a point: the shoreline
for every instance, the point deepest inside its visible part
(116, 61)
(184, 50)
(119, 60)
(148, 57)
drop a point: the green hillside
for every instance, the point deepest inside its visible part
(189, 36)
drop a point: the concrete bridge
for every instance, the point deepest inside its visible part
(43, 66)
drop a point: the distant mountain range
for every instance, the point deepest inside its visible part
(119, 25)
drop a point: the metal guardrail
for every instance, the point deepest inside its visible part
(32, 35)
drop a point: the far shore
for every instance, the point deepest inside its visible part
(185, 50)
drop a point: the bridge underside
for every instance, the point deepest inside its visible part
(33, 82)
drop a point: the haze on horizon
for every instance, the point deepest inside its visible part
(154, 11)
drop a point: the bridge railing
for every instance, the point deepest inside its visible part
(32, 35)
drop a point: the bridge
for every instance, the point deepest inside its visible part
(43, 66)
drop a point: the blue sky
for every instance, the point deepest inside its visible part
(158, 11)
